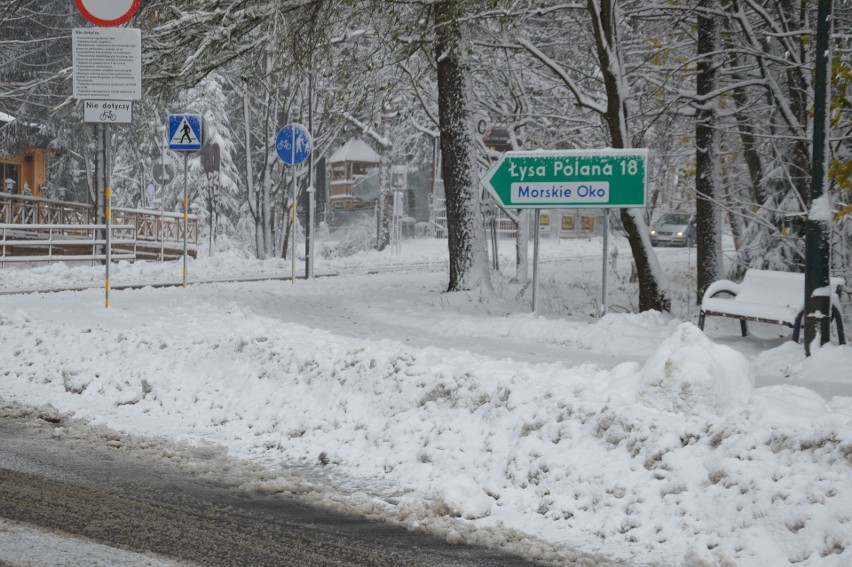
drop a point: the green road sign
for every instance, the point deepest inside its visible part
(570, 179)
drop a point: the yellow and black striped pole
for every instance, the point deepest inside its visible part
(107, 197)
(185, 218)
(107, 215)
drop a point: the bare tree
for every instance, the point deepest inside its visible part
(613, 110)
(707, 189)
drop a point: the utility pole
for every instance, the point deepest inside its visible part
(818, 308)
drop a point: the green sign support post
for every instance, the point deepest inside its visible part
(570, 179)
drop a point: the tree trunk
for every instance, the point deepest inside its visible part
(707, 191)
(384, 203)
(466, 235)
(604, 15)
(252, 195)
(798, 90)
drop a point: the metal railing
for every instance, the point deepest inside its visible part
(48, 243)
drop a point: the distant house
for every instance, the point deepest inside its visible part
(350, 166)
(24, 173)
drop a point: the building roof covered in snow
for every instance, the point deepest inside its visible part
(355, 150)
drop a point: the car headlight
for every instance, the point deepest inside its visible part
(679, 233)
(653, 232)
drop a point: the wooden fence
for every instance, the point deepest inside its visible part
(156, 234)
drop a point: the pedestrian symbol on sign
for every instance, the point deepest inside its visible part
(185, 133)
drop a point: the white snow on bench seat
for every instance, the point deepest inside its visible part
(781, 313)
(763, 295)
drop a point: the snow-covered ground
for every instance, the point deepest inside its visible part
(633, 436)
(24, 545)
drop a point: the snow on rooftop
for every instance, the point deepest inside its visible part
(355, 150)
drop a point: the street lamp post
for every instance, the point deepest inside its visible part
(818, 305)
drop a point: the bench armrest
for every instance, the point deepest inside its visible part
(835, 297)
(721, 286)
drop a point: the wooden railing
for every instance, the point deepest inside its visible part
(156, 233)
(157, 226)
(21, 209)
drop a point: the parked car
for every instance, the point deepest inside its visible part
(675, 229)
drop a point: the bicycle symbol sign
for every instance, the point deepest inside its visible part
(108, 111)
(293, 144)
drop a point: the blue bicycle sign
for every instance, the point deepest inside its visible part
(293, 144)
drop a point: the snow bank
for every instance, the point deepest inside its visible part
(670, 459)
(689, 371)
(461, 497)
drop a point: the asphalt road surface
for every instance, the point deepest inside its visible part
(180, 503)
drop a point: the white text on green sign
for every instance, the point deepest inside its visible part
(570, 178)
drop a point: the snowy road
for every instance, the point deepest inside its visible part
(121, 493)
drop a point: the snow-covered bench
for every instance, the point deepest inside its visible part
(768, 297)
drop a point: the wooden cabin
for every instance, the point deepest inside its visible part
(25, 173)
(350, 164)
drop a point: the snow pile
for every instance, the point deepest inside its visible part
(688, 371)
(460, 496)
(671, 458)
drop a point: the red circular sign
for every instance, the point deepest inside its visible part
(107, 12)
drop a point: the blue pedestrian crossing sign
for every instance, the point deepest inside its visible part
(185, 132)
(293, 144)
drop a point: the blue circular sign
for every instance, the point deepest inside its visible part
(293, 144)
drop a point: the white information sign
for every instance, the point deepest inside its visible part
(108, 111)
(107, 63)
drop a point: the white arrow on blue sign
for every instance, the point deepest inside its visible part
(293, 144)
(185, 132)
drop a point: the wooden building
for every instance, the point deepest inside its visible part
(349, 165)
(24, 173)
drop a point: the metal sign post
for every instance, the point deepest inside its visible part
(309, 230)
(185, 136)
(107, 75)
(293, 229)
(185, 216)
(293, 145)
(535, 261)
(568, 179)
(605, 256)
(100, 185)
(107, 215)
